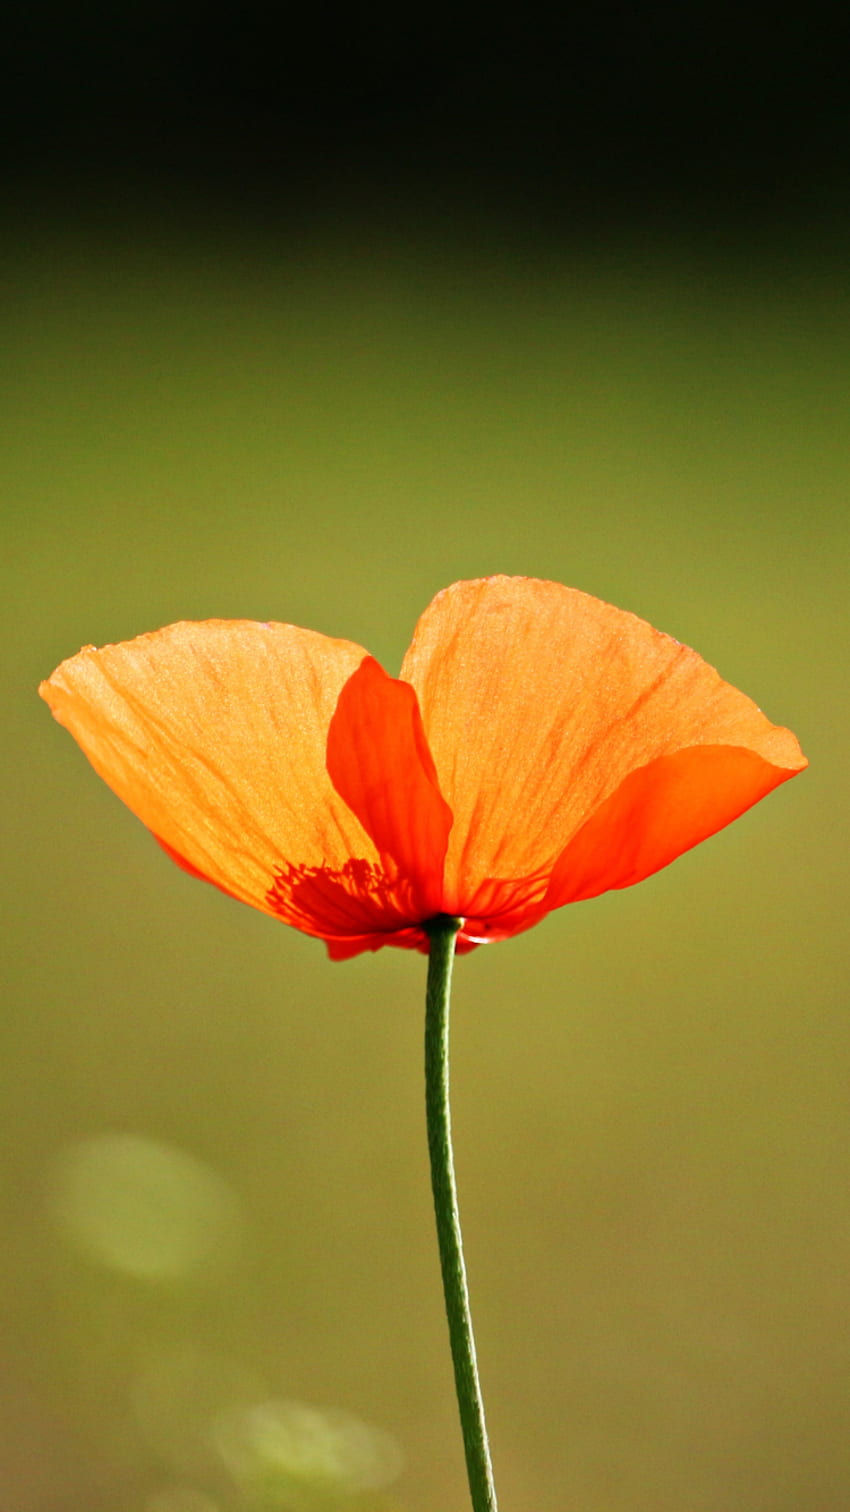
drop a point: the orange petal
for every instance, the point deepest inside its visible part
(658, 812)
(538, 701)
(379, 762)
(214, 734)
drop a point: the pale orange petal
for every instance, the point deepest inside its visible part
(215, 735)
(538, 701)
(379, 762)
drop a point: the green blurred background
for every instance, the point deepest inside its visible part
(220, 1282)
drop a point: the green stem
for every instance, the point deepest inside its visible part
(442, 932)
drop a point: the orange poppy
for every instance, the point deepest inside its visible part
(539, 747)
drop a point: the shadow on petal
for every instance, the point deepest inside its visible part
(357, 899)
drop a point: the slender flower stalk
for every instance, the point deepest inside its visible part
(442, 932)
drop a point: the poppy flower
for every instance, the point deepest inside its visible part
(538, 748)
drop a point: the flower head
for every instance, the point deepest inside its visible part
(539, 747)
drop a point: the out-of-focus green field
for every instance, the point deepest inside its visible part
(218, 1260)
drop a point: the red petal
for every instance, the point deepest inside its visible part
(353, 945)
(379, 762)
(658, 812)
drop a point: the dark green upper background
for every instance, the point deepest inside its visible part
(612, 113)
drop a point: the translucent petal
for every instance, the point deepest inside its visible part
(215, 735)
(538, 701)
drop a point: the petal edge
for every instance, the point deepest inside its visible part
(657, 813)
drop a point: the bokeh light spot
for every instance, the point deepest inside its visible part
(143, 1208)
(297, 1458)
